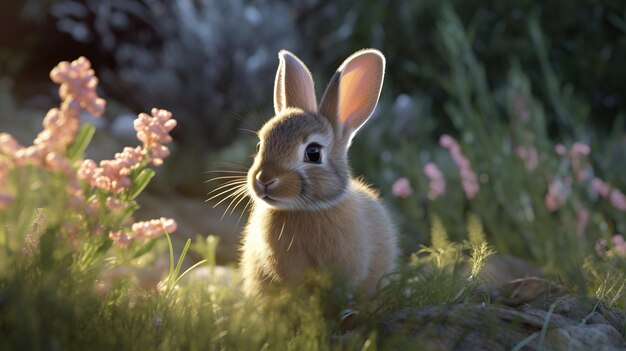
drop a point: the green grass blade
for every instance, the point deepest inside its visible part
(182, 258)
(189, 270)
(78, 147)
(140, 182)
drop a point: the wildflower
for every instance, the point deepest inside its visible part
(618, 200)
(401, 188)
(110, 175)
(579, 148)
(560, 149)
(153, 131)
(578, 152)
(437, 184)
(619, 243)
(115, 205)
(120, 238)
(78, 83)
(529, 156)
(556, 196)
(154, 228)
(600, 187)
(468, 177)
(8, 144)
(56, 162)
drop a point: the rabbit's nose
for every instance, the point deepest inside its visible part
(264, 182)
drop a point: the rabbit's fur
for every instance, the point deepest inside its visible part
(314, 215)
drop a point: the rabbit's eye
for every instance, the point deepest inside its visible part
(313, 153)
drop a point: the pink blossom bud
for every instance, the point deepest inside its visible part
(579, 148)
(600, 187)
(447, 141)
(8, 144)
(560, 149)
(120, 238)
(618, 200)
(402, 188)
(619, 243)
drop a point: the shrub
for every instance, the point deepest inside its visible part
(70, 209)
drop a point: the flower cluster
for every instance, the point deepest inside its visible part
(78, 92)
(96, 192)
(614, 195)
(468, 177)
(112, 175)
(529, 156)
(557, 194)
(619, 244)
(78, 85)
(577, 155)
(558, 190)
(142, 231)
(153, 131)
(401, 188)
(437, 184)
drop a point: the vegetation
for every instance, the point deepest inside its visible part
(486, 141)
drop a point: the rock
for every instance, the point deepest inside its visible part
(536, 307)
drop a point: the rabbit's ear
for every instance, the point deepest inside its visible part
(293, 86)
(353, 92)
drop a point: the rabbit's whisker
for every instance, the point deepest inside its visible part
(224, 177)
(236, 192)
(223, 171)
(227, 184)
(231, 189)
(245, 194)
(240, 193)
(230, 164)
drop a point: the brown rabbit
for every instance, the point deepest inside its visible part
(308, 212)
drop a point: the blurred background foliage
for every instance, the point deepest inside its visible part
(464, 68)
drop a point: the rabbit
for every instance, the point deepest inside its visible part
(308, 212)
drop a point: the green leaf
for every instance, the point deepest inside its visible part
(144, 249)
(78, 147)
(140, 182)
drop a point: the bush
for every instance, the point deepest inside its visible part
(545, 200)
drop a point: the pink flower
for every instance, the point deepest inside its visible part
(401, 188)
(78, 83)
(8, 144)
(153, 131)
(115, 205)
(437, 184)
(447, 142)
(560, 149)
(529, 156)
(619, 243)
(154, 228)
(579, 148)
(120, 238)
(600, 187)
(556, 196)
(56, 162)
(469, 181)
(618, 200)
